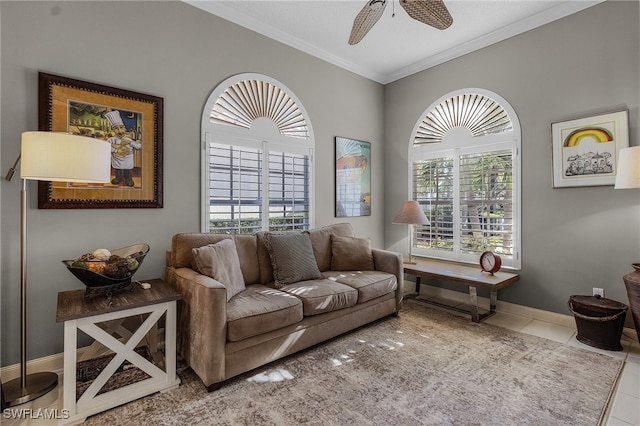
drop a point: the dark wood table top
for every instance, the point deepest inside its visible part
(466, 274)
(73, 305)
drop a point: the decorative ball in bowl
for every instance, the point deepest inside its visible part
(105, 267)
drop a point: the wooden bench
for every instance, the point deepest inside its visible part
(468, 275)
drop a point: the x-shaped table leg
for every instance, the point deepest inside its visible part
(123, 352)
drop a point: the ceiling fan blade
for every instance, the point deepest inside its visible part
(430, 12)
(365, 20)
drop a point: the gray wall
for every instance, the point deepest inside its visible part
(573, 239)
(171, 50)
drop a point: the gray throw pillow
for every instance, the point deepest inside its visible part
(220, 261)
(351, 254)
(292, 258)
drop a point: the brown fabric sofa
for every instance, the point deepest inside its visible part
(221, 339)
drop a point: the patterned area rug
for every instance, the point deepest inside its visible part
(425, 367)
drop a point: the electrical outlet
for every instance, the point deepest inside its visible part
(598, 291)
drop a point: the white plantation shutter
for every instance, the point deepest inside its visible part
(486, 203)
(249, 99)
(479, 114)
(433, 189)
(467, 180)
(288, 191)
(235, 182)
(257, 162)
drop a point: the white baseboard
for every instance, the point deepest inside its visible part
(457, 297)
(54, 363)
(564, 320)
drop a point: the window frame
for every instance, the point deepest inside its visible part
(262, 135)
(456, 143)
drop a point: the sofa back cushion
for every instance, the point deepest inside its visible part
(248, 253)
(292, 258)
(181, 255)
(255, 262)
(321, 242)
(264, 260)
(351, 254)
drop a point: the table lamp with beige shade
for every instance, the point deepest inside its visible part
(411, 214)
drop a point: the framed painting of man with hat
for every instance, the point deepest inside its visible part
(131, 122)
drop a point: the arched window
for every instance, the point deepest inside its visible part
(465, 172)
(257, 158)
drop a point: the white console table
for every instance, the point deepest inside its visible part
(80, 313)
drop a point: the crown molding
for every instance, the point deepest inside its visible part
(560, 11)
(563, 9)
(232, 15)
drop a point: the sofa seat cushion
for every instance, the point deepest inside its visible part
(369, 284)
(259, 309)
(319, 296)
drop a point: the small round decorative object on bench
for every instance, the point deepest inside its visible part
(490, 262)
(106, 271)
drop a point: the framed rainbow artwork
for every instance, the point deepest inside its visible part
(585, 150)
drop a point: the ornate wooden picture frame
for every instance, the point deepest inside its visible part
(131, 122)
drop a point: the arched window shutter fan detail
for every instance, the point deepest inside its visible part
(248, 100)
(479, 114)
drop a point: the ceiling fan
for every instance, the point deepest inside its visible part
(430, 12)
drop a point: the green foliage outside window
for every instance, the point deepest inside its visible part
(281, 223)
(485, 192)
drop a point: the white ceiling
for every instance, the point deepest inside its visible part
(396, 46)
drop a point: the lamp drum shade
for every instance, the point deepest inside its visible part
(628, 175)
(62, 157)
(411, 213)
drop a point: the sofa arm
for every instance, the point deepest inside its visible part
(202, 322)
(391, 262)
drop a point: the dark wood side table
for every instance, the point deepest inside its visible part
(80, 313)
(468, 275)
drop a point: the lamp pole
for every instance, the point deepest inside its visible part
(26, 387)
(46, 156)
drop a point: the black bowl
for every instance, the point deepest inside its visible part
(94, 279)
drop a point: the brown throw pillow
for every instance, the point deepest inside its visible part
(220, 261)
(351, 254)
(292, 258)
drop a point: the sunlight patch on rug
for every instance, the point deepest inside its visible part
(424, 367)
(278, 375)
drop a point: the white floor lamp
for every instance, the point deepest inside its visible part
(59, 157)
(411, 214)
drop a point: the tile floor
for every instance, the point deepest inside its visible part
(623, 411)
